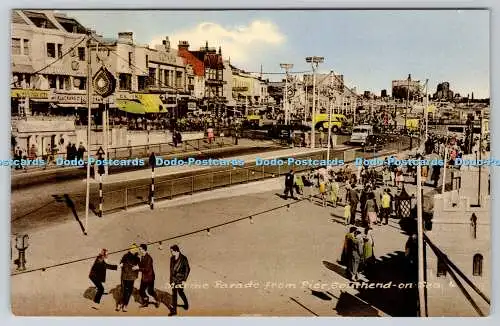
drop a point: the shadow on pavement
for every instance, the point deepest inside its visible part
(389, 287)
(71, 205)
(349, 305)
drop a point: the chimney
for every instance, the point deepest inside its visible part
(126, 37)
(183, 45)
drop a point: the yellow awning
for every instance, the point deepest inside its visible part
(152, 103)
(130, 106)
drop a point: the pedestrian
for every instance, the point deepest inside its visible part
(345, 257)
(210, 135)
(355, 248)
(81, 150)
(334, 191)
(386, 206)
(322, 189)
(147, 277)
(386, 176)
(98, 275)
(74, 151)
(321, 137)
(174, 138)
(289, 183)
(353, 200)
(399, 177)
(299, 185)
(371, 209)
(130, 270)
(368, 251)
(347, 214)
(179, 272)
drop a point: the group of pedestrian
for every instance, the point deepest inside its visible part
(75, 153)
(358, 253)
(138, 260)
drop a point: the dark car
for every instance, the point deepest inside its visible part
(373, 143)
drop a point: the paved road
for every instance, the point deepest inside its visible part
(48, 204)
(290, 253)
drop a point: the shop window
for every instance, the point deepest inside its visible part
(477, 265)
(16, 46)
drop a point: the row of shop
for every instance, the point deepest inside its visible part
(134, 103)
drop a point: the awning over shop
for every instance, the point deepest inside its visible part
(152, 103)
(130, 106)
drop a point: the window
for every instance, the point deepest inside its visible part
(51, 50)
(125, 81)
(441, 268)
(130, 58)
(26, 47)
(59, 51)
(80, 83)
(473, 226)
(477, 265)
(141, 83)
(81, 53)
(16, 46)
(147, 60)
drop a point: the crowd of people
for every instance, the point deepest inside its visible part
(138, 261)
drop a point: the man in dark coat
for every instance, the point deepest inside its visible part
(98, 274)
(130, 270)
(179, 272)
(147, 278)
(353, 200)
(289, 182)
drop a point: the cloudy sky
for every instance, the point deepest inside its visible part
(371, 48)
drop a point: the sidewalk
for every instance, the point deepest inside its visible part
(232, 255)
(287, 270)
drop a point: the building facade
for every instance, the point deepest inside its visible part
(461, 228)
(406, 89)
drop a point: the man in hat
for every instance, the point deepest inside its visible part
(179, 272)
(147, 277)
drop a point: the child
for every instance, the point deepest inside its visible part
(347, 213)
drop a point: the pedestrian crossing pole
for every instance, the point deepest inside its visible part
(152, 200)
(100, 195)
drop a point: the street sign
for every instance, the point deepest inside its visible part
(100, 151)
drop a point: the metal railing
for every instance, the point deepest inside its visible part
(138, 195)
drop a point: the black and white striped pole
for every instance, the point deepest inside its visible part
(100, 170)
(152, 163)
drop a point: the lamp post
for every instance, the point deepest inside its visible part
(89, 117)
(426, 110)
(314, 61)
(287, 67)
(331, 95)
(22, 243)
(407, 100)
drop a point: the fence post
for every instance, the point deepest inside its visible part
(126, 198)
(192, 184)
(152, 196)
(230, 177)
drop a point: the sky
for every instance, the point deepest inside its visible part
(370, 48)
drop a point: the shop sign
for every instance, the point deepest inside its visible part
(74, 98)
(30, 93)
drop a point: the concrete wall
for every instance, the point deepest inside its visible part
(452, 234)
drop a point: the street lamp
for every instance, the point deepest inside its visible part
(22, 243)
(314, 61)
(287, 67)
